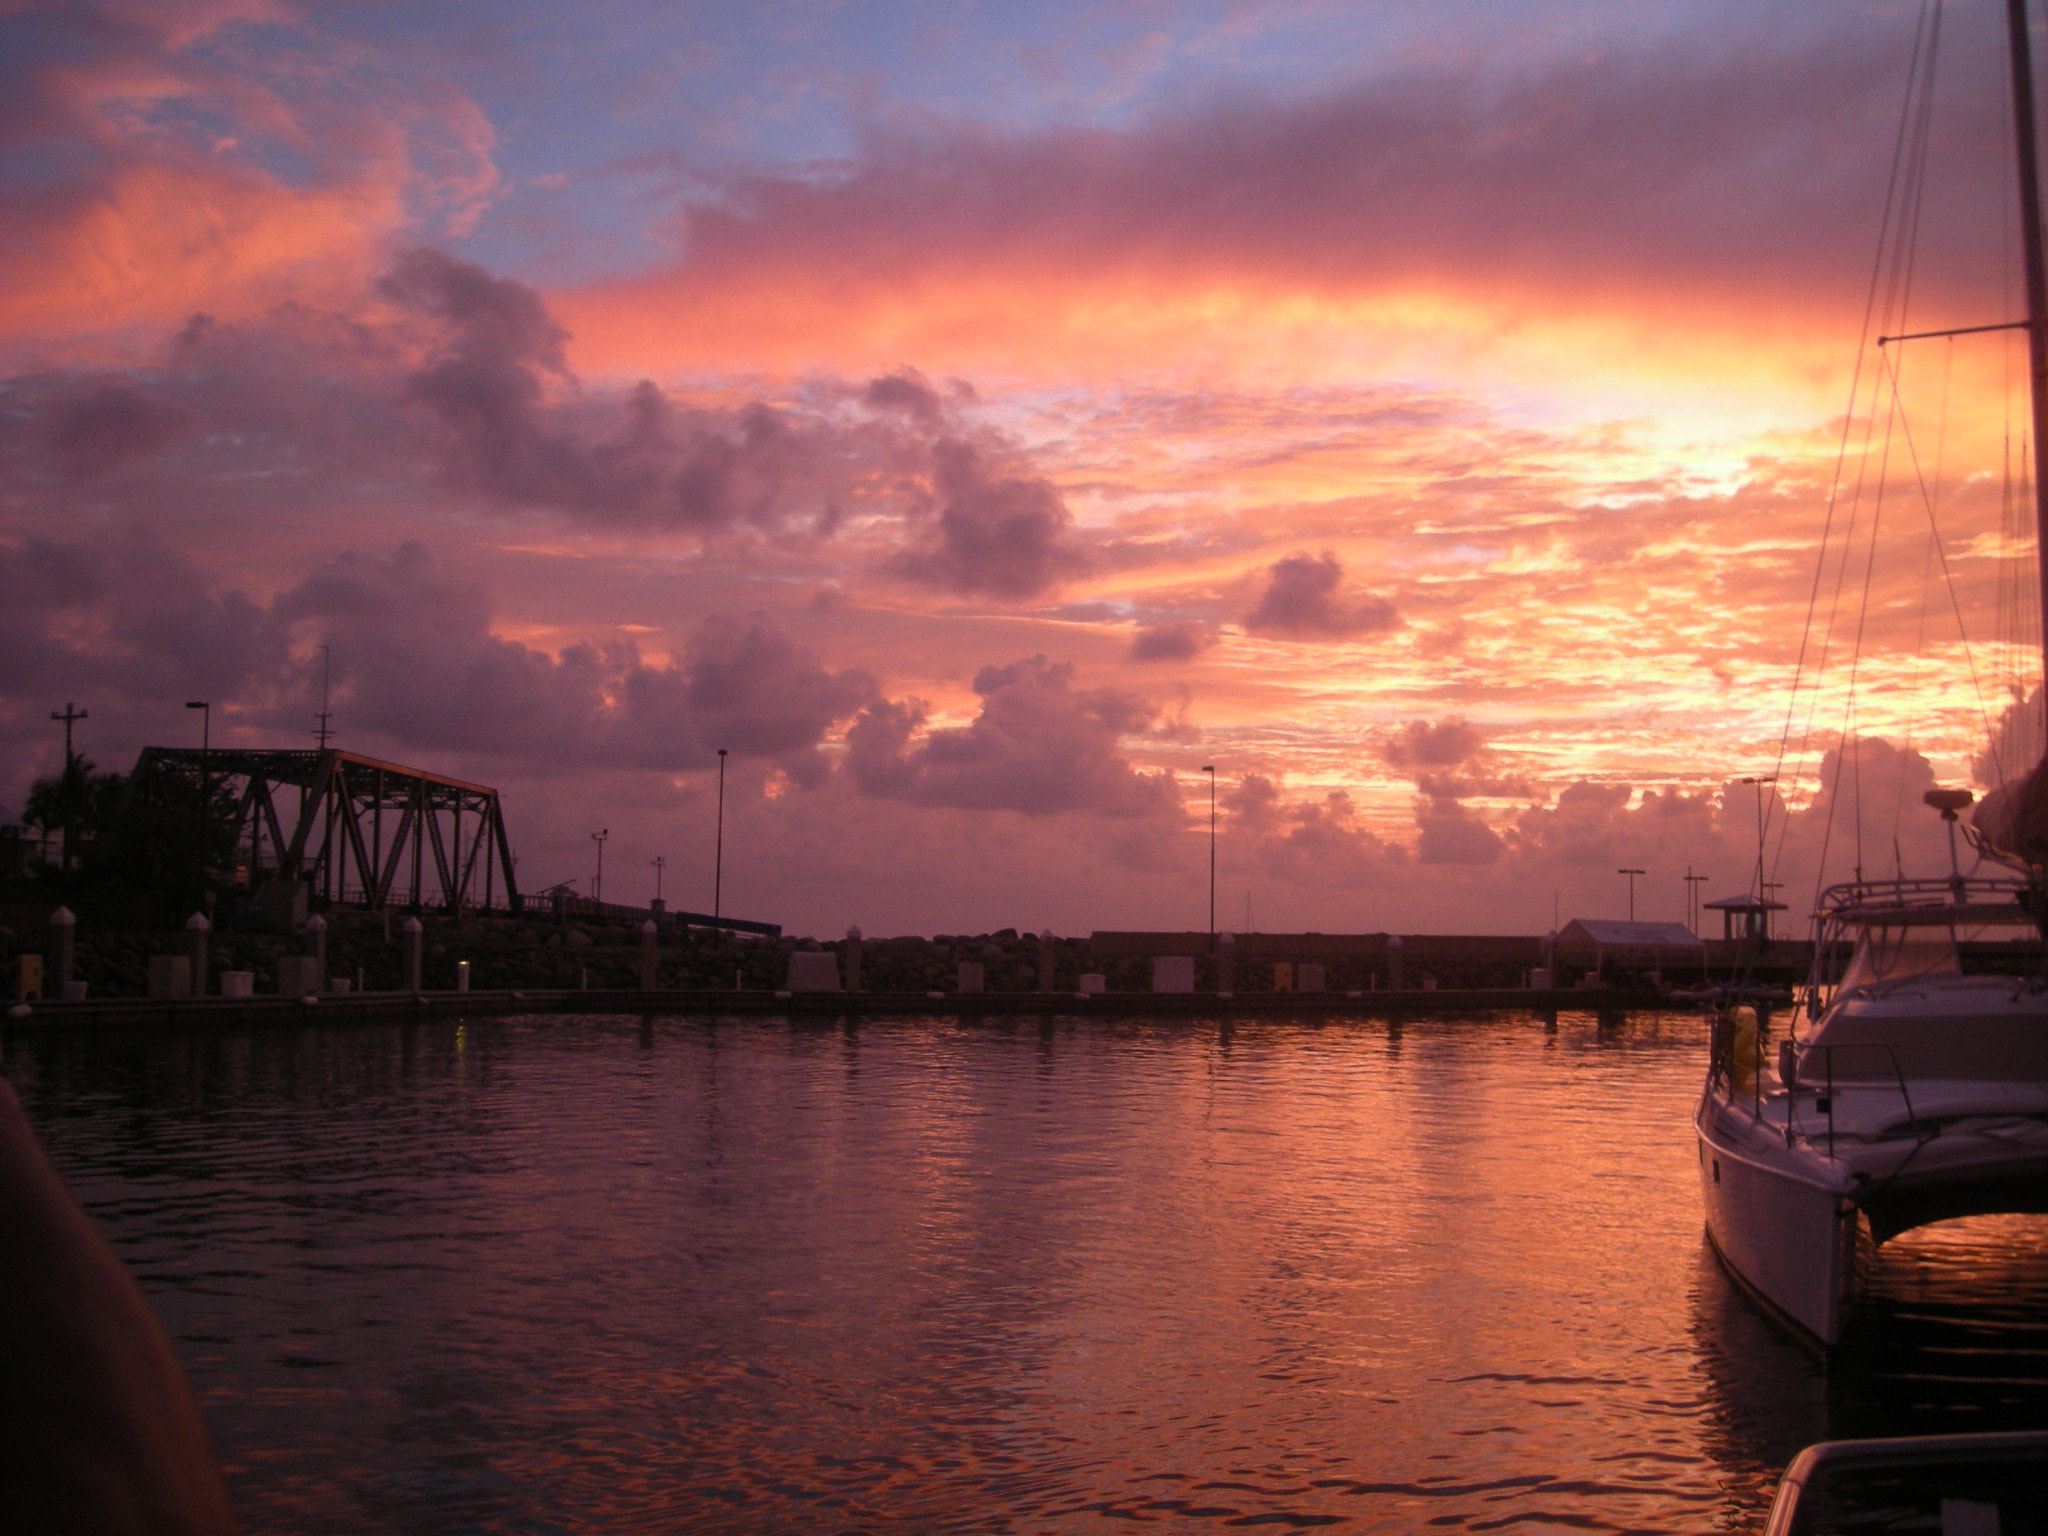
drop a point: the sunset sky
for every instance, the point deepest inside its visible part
(978, 418)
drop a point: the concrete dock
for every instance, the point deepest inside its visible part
(386, 1007)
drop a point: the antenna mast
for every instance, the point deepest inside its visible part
(2037, 284)
(321, 732)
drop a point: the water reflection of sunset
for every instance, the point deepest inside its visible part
(600, 1274)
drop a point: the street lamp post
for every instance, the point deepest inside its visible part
(718, 852)
(1762, 895)
(1210, 769)
(1631, 873)
(597, 885)
(660, 862)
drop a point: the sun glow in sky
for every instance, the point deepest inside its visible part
(978, 418)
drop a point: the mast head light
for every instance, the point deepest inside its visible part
(1949, 801)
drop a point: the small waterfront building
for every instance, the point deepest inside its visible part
(1745, 917)
(1610, 951)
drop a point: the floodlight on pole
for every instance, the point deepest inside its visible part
(1631, 873)
(718, 854)
(1693, 883)
(1210, 769)
(597, 885)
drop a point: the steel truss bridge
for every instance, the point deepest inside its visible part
(357, 829)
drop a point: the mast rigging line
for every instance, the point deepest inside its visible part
(1924, 30)
(1897, 246)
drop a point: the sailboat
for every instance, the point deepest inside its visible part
(1917, 1089)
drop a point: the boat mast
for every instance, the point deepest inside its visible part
(2037, 287)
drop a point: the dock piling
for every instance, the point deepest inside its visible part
(197, 931)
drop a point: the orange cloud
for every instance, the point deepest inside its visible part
(157, 244)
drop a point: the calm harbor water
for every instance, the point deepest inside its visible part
(623, 1275)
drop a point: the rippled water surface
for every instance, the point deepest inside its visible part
(572, 1274)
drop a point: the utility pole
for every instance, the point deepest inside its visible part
(1631, 873)
(660, 862)
(69, 716)
(718, 854)
(1693, 883)
(1210, 769)
(597, 885)
(205, 775)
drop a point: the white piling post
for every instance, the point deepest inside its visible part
(413, 944)
(316, 935)
(63, 951)
(197, 930)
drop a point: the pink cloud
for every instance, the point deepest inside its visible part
(1038, 746)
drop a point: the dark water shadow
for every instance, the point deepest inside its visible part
(1951, 1337)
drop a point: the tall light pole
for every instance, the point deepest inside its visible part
(1631, 873)
(1762, 896)
(660, 862)
(718, 852)
(597, 885)
(1693, 883)
(1210, 769)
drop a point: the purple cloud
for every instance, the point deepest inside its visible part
(1001, 535)
(1303, 600)
(1176, 640)
(96, 432)
(1445, 744)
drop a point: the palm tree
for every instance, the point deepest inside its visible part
(64, 803)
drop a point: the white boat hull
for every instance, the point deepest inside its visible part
(1787, 1234)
